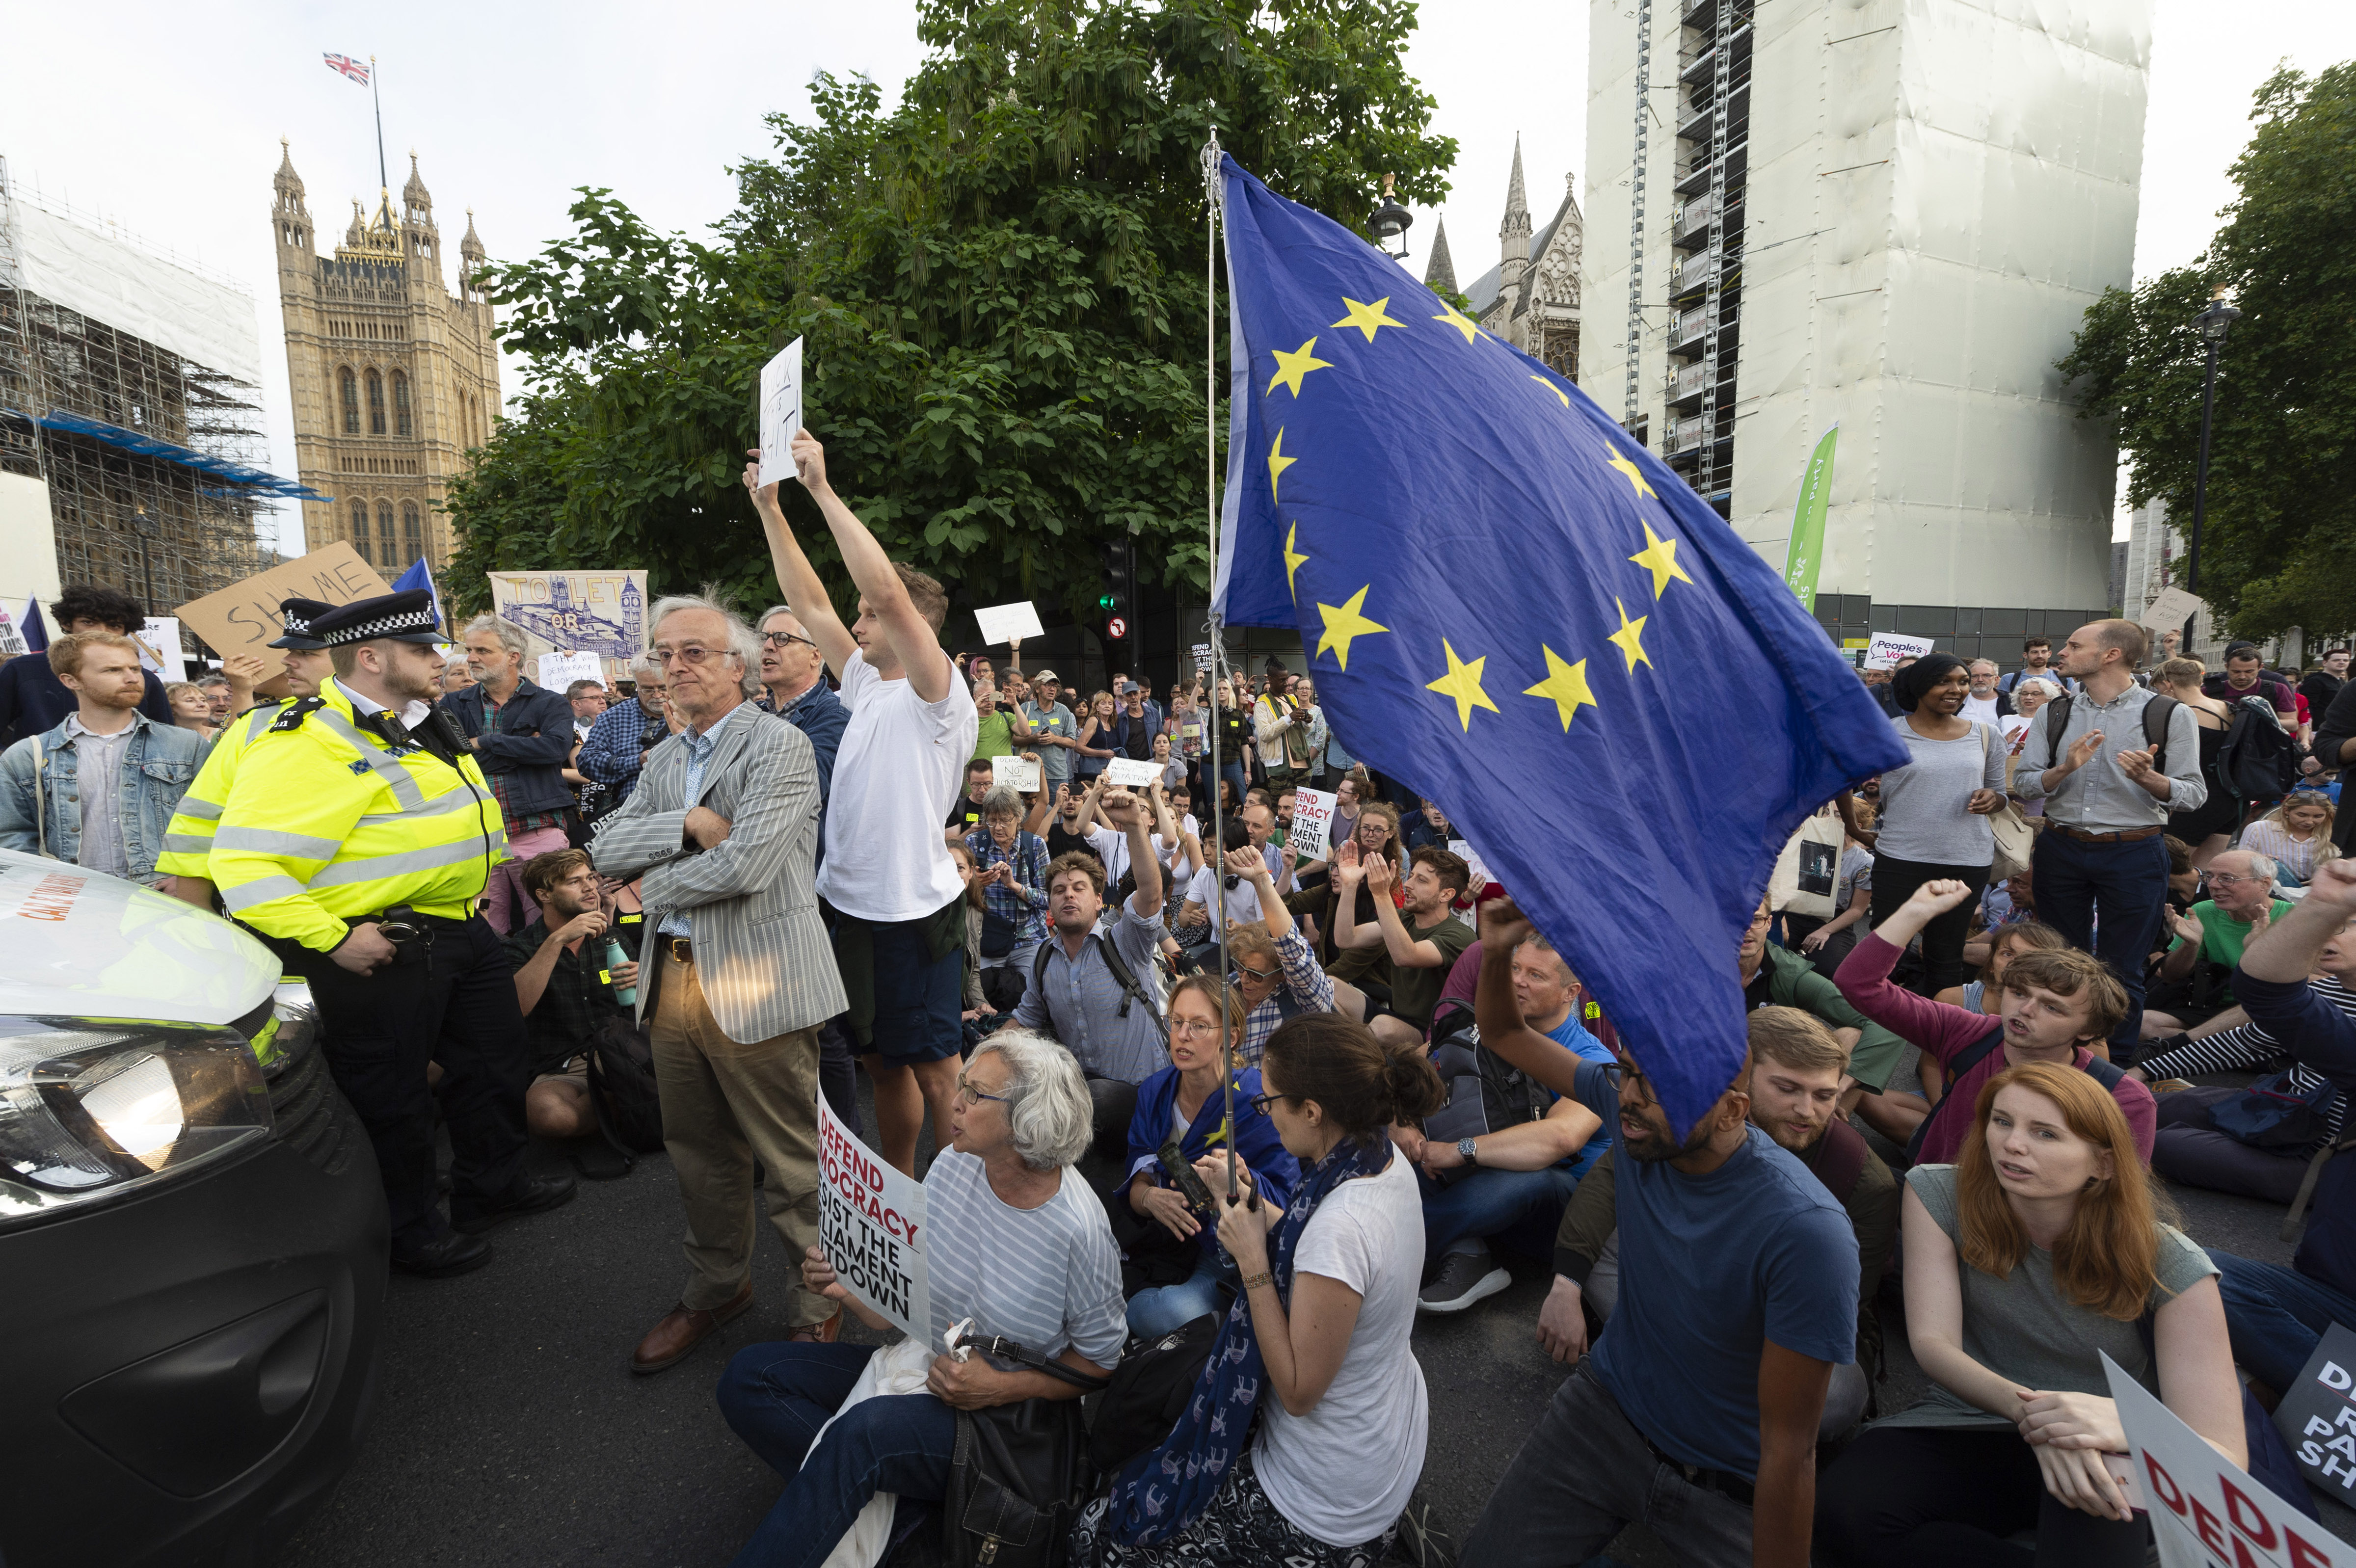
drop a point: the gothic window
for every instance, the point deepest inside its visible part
(351, 400)
(413, 533)
(400, 404)
(360, 519)
(384, 544)
(376, 403)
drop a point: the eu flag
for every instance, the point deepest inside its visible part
(1514, 608)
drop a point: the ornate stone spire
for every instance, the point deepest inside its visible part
(287, 183)
(1514, 233)
(471, 247)
(358, 232)
(414, 196)
(1441, 275)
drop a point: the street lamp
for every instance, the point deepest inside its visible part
(1391, 222)
(2214, 324)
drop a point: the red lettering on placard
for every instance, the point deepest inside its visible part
(2303, 1555)
(2248, 1517)
(2163, 1485)
(2211, 1527)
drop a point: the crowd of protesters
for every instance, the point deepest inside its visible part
(1290, 1095)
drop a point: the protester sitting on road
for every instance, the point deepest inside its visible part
(2027, 1264)
(1505, 1183)
(2277, 1315)
(1329, 1284)
(1185, 1103)
(1014, 888)
(1015, 1243)
(566, 988)
(616, 745)
(2057, 1007)
(1271, 966)
(2241, 903)
(2296, 836)
(1776, 976)
(1422, 941)
(1427, 828)
(1097, 993)
(98, 789)
(1795, 1073)
(1985, 994)
(1697, 1411)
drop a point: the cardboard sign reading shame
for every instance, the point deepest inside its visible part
(871, 1223)
(243, 617)
(1131, 772)
(2317, 1414)
(1015, 772)
(781, 412)
(2204, 1509)
(1313, 818)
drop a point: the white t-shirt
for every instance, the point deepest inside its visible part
(1242, 903)
(1982, 708)
(901, 762)
(1345, 1471)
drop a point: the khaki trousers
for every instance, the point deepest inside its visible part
(724, 1106)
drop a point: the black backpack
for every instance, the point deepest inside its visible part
(622, 1088)
(1130, 991)
(2257, 760)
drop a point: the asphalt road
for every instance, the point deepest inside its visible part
(511, 1432)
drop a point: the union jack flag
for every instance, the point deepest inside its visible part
(354, 69)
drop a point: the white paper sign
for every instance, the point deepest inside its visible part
(1015, 772)
(1462, 849)
(1313, 817)
(870, 1224)
(2171, 609)
(559, 670)
(781, 412)
(1005, 622)
(1130, 772)
(2204, 1510)
(1888, 647)
(1202, 652)
(159, 648)
(12, 636)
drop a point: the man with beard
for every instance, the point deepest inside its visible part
(1699, 1411)
(565, 989)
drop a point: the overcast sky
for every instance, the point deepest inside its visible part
(168, 118)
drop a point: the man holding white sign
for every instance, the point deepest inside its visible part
(1002, 1239)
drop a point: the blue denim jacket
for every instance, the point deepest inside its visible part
(157, 764)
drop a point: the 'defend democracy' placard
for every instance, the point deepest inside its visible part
(871, 1222)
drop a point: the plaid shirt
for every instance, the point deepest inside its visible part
(1306, 986)
(580, 995)
(1025, 903)
(532, 821)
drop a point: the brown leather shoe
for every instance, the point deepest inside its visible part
(824, 1333)
(683, 1328)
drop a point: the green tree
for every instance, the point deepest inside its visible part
(2278, 529)
(999, 288)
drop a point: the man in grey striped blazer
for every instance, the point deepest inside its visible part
(738, 972)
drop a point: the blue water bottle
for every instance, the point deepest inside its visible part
(615, 958)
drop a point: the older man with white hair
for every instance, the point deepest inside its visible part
(522, 735)
(2241, 904)
(617, 745)
(736, 976)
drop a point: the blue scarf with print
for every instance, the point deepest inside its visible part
(1160, 1492)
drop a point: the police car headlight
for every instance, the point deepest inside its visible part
(91, 1109)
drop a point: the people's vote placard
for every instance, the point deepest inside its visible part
(870, 1225)
(781, 412)
(1887, 648)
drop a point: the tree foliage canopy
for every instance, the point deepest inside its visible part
(2278, 532)
(999, 284)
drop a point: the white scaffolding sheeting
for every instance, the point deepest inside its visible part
(117, 282)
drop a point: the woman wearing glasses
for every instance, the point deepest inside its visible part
(1015, 1243)
(1178, 1260)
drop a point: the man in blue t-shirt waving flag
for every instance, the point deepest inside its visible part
(1508, 601)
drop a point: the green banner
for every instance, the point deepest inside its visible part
(1807, 546)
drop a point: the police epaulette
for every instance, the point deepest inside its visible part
(292, 718)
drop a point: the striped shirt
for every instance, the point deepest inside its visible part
(2249, 1048)
(1047, 1278)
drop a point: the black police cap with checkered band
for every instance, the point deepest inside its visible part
(401, 617)
(298, 614)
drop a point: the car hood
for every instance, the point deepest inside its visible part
(77, 943)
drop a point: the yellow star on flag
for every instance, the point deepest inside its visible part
(1550, 386)
(1343, 621)
(1630, 638)
(1635, 474)
(1462, 682)
(1277, 463)
(1565, 685)
(1290, 367)
(1293, 560)
(1659, 557)
(1460, 321)
(1367, 318)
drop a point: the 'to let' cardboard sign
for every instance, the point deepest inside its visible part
(243, 618)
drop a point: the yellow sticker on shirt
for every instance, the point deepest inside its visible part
(604, 977)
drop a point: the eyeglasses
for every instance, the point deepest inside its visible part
(1192, 1028)
(782, 639)
(1246, 971)
(694, 654)
(1260, 1102)
(2228, 880)
(1620, 1077)
(971, 1095)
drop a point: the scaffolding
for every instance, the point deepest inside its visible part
(164, 531)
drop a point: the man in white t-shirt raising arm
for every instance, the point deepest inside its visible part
(892, 889)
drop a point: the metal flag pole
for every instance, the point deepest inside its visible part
(384, 180)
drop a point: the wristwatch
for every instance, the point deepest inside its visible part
(1464, 1147)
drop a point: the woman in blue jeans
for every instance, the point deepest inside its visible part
(1186, 1100)
(1013, 1241)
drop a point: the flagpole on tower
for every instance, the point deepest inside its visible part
(383, 178)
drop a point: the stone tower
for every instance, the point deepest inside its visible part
(395, 379)
(1513, 233)
(1441, 275)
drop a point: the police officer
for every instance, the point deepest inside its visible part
(188, 839)
(358, 846)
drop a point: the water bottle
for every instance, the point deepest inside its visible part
(615, 958)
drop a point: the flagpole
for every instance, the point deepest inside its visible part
(1218, 639)
(383, 178)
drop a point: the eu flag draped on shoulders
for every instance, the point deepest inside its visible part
(1515, 609)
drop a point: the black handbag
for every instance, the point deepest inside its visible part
(1018, 1473)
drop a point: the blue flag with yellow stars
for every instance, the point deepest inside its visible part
(1519, 611)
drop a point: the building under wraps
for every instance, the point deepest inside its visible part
(131, 433)
(1891, 214)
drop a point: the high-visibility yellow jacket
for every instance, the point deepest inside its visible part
(325, 822)
(189, 838)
